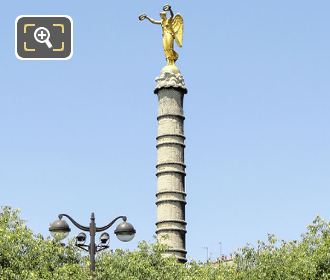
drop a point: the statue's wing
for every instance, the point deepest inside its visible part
(178, 29)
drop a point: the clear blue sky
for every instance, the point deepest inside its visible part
(79, 136)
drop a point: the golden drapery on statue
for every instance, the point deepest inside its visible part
(172, 28)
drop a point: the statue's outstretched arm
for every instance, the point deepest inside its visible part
(154, 21)
(144, 16)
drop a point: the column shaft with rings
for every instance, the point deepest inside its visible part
(171, 195)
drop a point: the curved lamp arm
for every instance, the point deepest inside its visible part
(98, 229)
(74, 222)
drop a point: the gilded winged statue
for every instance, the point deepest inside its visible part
(172, 28)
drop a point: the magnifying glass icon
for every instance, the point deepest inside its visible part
(42, 35)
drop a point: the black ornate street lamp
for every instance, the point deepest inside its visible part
(60, 229)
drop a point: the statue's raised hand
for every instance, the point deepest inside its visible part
(166, 8)
(142, 17)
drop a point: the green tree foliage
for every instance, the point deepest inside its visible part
(26, 256)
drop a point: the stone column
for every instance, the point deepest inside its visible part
(171, 196)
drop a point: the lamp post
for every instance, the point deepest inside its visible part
(207, 253)
(59, 229)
